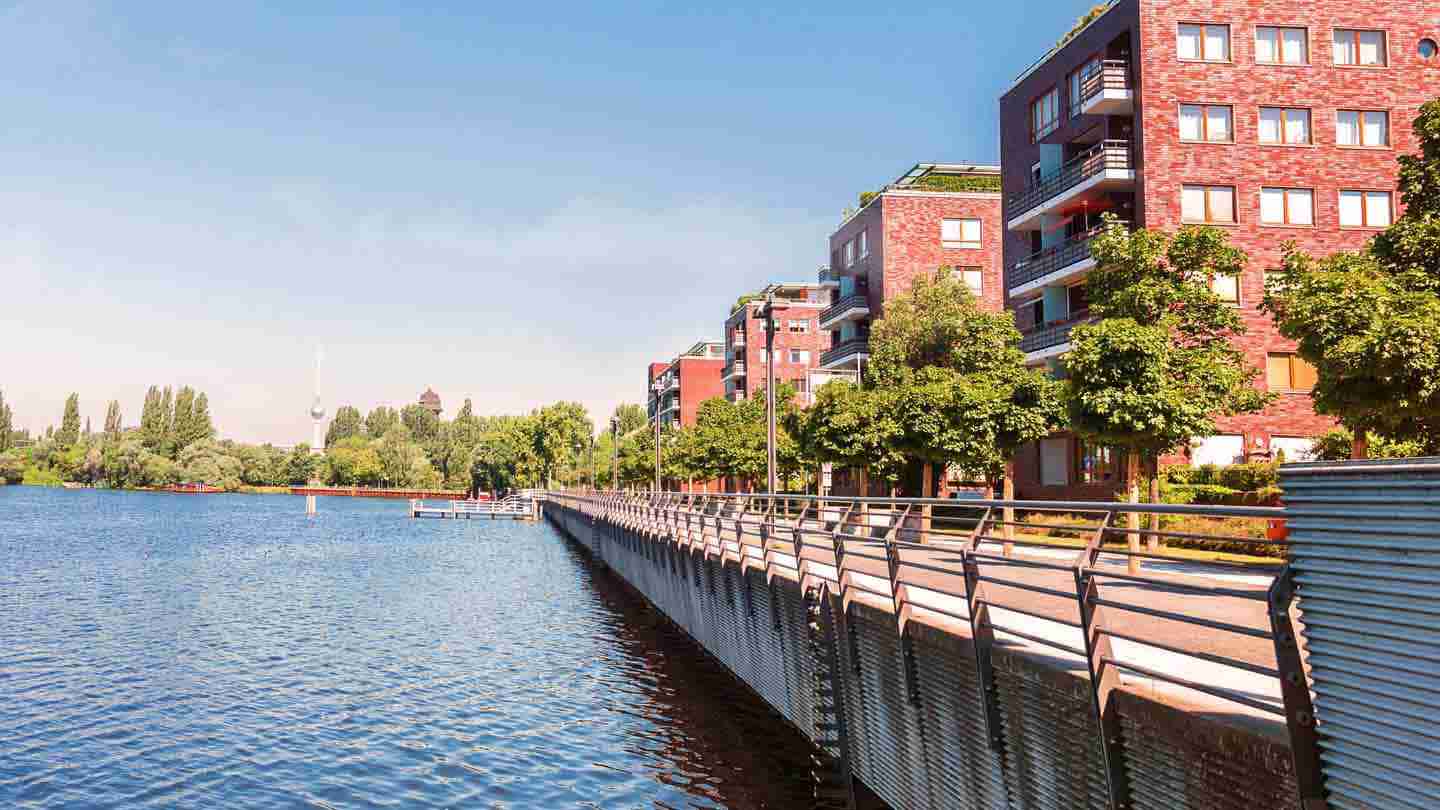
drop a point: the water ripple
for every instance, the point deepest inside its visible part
(162, 651)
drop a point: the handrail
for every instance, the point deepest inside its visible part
(1111, 74)
(1047, 260)
(841, 351)
(1051, 333)
(1102, 157)
(954, 563)
(858, 300)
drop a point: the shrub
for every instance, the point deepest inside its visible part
(1249, 477)
(1210, 494)
(1226, 527)
(1177, 474)
(12, 468)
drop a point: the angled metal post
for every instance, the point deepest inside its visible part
(1295, 691)
(982, 635)
(1104, 676)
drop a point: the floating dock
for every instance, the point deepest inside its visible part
(511, 508)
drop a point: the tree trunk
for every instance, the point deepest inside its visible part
(1132, 519)
(1360, 446)
(1152, 542)
(927, 489)
(1007, 492)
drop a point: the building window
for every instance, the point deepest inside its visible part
(1287, 206)
(1037, 311)
(801, 385)
(800, 327)
(1365, 209)
(1045, 114)
(1097, 464)
(1362, 128)
(1356, 47)
(1204, 43)
(1226, 287)
(1054, 462)
(864, 244)
(1281, 46)
(1287, 372)
(1288, 125)
(1207, 204)
(799, 356)
(1206, 122)
(1426, 48)
(960, 233)
(974, 279)
(849, 252)
(1077, 84)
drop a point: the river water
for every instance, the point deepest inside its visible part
(226, 651)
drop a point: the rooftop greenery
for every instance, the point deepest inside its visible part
(945, 182)
(1085, 19)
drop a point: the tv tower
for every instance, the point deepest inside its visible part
(317, 439)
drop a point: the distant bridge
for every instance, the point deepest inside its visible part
(513, 507)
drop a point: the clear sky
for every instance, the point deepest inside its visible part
(514, 202)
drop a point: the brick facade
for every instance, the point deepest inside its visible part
(745, 341)
(698, 373)
(1144, 34)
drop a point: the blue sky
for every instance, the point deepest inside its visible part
(519, 203)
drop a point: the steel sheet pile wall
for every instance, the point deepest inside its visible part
(920, 739)
(1366, 545)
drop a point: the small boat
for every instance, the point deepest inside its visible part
(193, 489)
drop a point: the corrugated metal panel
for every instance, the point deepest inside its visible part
(1052, 754)
(964, 771)
(1366, 550)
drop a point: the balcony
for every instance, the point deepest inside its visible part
(1050, 339)
(1053, 265)
(830, 279)
(735, 369)
(850, 308)
(847, 355)
(1107, 166)
(1107, 90)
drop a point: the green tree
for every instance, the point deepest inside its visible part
(1160, 365)
(113, 422)
(69, 432)
(167, 431)
(422, 423)
(7, 424)
(301, 466)
(347, 423)
(631, 416)
(560, 431)
(1367, 321)
(12, 467)
(379, 421)
(206, 462)
(152, 420)
(954, 380)
(201, 427)
(181, 428)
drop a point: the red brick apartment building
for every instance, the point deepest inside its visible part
(798, 342)
(684, 383)
(1277, 120)
(935, 214)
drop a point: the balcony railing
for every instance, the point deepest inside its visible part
(735, 369)
(1112, 74)
(1056, 257)
(848, 304)
(828, 277)
(1098, 159)
(1054, 333)
(848, 350)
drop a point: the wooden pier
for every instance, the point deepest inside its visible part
(512, 508)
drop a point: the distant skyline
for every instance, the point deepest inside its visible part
(517, 205)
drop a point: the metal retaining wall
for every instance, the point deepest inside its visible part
(919, 739)
(1366, 545)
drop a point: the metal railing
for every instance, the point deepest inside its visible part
(856, 300)
(1043, 263)
(1054, 333)
(1117, 588)
(735, 369)
(1111, 74)
(828, 276)
(845, 350)
(1101, 157)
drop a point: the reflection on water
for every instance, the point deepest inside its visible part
(228, 652)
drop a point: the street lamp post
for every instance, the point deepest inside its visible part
(615, 453)
(658, 388)
(594, 471)
(769, 313)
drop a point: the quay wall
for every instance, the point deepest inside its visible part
(913, 729)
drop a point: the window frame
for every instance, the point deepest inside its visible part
(1364, 208)
(1309, 129)
(1291, 357)
(1075, 84)
(1036, 134)
(1355, 35)
(1285, 207)
(1280, 45)
(1360, 129)
(863, 250)
(962, 243)
(1239, 288)
(1208, 187)
(1205, 108)
(1229, 42)
(978, 290)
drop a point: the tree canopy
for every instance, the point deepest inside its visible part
(1368, 320)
